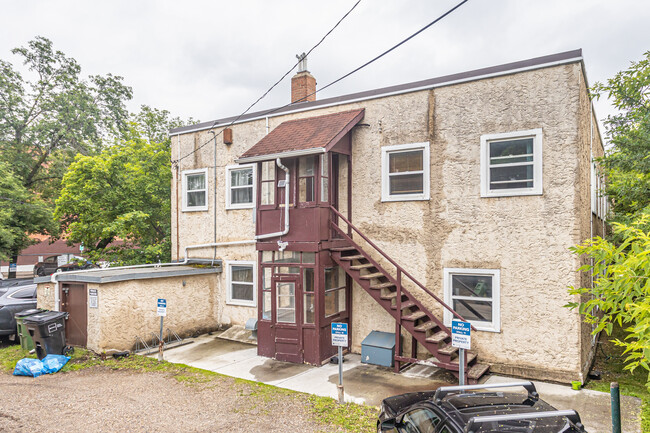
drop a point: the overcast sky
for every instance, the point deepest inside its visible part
(211, 59)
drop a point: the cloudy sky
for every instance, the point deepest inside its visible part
(211, 59)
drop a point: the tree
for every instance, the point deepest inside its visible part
(46, 121)
(121, 194)
(21, 214)
(154, 124)
(620, 266)
(627, 163)
(621, 287)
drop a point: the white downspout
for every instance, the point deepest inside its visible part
(286, 207)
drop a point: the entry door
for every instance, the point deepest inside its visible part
(286, 319)
(73, 301)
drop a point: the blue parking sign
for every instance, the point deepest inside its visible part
(340, 334)
(162, 307)
(461, 334)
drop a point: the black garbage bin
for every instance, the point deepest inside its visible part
(47, 329)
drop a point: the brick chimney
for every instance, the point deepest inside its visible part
(303, 83)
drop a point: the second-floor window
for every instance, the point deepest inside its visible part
(405, 172)
(240, 181)
(195, 190)
(268, 183)
(511, 163)
(306, 177)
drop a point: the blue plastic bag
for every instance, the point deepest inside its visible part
(35, 367)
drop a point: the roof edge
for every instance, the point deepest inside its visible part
(445, 80)
(287, 154)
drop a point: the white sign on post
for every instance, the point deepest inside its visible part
(340, 334)
(162, 307)
(461, 334)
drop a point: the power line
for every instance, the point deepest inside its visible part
(174, 162)
(333, 82)
(374, 59)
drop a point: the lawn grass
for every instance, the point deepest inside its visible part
(351, 417)
(610, 362)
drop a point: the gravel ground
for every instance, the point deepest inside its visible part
(104, 400)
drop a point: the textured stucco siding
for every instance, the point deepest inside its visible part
(45, 296)
(590, 224)
(525, 237)
(127, 309)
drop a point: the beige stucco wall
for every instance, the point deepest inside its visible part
(526, 237)
(126, 309)
(45, 296)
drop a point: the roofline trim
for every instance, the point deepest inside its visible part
(288, 154)
(386, 94)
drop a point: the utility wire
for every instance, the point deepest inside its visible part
(175, 162)
(375, 59)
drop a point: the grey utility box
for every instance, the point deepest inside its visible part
(378, 348)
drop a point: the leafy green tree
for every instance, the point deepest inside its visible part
(118, 202)
(21, 214)
(621, 287)
(620, 265)
(627, 163)
(49, 118)
(153, 124)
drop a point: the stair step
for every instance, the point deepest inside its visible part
(405, 304)
(362, 266)
(415, 316)
(383, 286)
(448, 350)
(469, 355)
(343, 249)
(389, 296)
(371, 276)
(477, 371)
(437, 337)
(355, 257)
(426, 326)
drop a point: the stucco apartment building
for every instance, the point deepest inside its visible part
(458, 195)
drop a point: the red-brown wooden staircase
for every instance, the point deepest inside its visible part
(386, 288)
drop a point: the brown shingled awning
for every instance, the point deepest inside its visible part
(303, 136)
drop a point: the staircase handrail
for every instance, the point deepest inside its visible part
(412, 278)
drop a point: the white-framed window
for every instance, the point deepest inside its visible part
(240, 186)
(405, 172)
(474, 294)
(599, 200)
(511, 163)
(241, 287)
(195, 190)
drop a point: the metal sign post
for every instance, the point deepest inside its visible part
(461, 337)
(340, 339)
(162, 312)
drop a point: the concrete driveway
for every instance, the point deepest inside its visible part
(366, 384)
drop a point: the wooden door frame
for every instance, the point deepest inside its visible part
(64, 289)
(297, 325)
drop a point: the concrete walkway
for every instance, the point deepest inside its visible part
(366, 384)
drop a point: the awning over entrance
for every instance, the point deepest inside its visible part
(303, 136)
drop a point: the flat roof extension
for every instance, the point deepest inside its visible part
(108, 275)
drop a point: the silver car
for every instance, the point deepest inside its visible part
(14, 299)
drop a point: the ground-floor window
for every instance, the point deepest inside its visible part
(241, 283)
(474, 294)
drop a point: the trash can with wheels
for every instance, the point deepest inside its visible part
(47, 329)
(26, 341)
